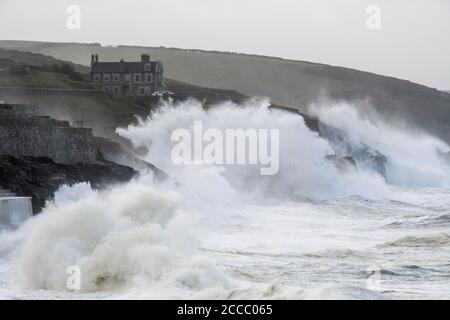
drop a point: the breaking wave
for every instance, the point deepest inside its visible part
(303, 172)
(438, 240)
(144, 236)
(131, 235)
(415, 159)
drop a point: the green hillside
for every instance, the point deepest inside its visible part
(64, 94)
(287, 82)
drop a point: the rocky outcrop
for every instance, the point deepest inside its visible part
(343, 164)
(109, 150)
(40, 177)
(364, 155)
(348, 155)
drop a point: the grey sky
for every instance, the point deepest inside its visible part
(413, 42)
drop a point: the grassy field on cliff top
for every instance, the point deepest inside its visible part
(29, 74)
(286, 82)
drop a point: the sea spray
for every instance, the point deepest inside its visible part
(303, 172)
(144, 237)
(116, 237)
(414, 157)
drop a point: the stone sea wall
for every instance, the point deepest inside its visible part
(24, 133)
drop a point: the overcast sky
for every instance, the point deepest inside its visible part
(413, 42)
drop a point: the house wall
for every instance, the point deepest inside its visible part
(114, 83)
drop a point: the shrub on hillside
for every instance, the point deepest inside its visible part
(19, 70)
(64, 68)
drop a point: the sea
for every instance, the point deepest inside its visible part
(214, 231)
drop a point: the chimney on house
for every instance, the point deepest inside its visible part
(145, 57)
(122, 65)
(96, 58)
(92, 59)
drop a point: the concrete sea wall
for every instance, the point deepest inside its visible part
(14, 210)
(24, 133)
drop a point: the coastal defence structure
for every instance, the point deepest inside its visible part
(13, 210)
(25, 133)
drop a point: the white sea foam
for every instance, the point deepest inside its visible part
(116, 237)
(209, 231)
(413, 156)
(303, 172)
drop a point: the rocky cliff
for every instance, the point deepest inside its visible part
(40, 177)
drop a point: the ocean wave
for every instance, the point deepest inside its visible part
(438, 240)
(131, 235)
(144, 239)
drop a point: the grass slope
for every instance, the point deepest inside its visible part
(35, 85)
(287, 82)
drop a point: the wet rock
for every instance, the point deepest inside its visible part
(40, 177)
(364, 155)
(343, 164)
(110, 150)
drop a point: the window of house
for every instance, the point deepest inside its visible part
(148, 77)
(148, 67)
(116, 77)
(141, 91)
(96, 77)
(137, 77)
(115, 90)
(106, 77)
(107, 88)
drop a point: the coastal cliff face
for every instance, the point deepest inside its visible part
(40, 177)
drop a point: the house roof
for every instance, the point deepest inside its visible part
(123, 66)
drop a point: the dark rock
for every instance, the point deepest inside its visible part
(347, 153)
(348, 161)
(312, 122)
(364, 155)
(40, 178)
(109, 150)
(344, 164)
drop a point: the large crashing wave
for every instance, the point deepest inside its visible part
(132, 235)
(414, 158)
(303, 171)
(145, 234)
